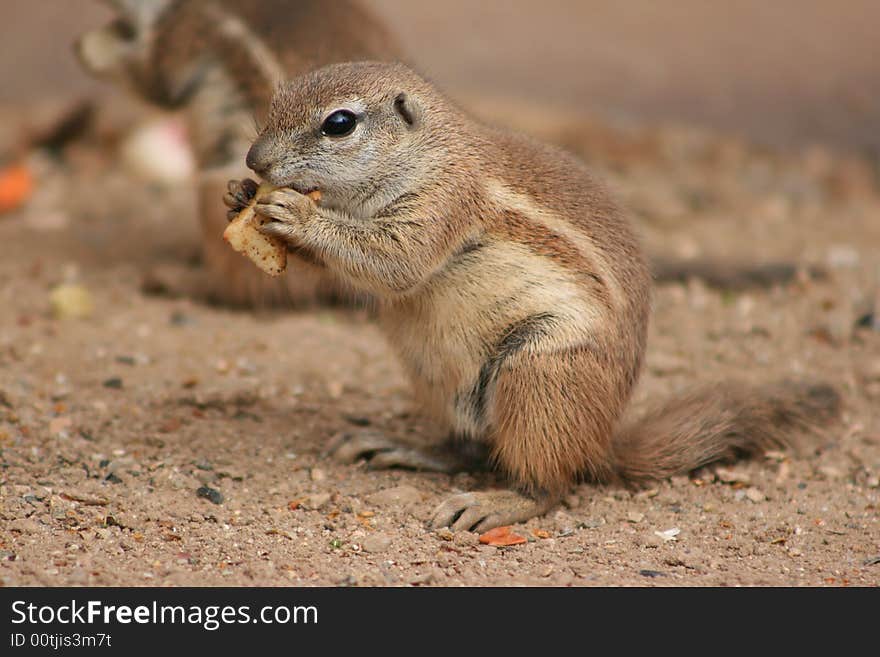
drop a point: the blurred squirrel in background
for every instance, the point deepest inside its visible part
(219, 61)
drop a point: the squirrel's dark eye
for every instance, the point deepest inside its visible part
(340, 123)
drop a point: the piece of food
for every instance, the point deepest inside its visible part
(267, 253)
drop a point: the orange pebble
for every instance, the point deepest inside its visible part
(16, 185)
(501, 537)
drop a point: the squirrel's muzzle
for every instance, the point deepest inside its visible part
(257, 158)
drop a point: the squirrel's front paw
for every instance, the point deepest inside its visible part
(239, 194)
(286, 211)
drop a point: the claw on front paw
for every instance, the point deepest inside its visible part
(286, 206)
(239, 194)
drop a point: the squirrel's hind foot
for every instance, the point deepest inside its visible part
(480, 512)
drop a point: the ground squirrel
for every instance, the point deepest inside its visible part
(219, 60)
(509, 282)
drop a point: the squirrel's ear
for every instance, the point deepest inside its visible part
(407, 109)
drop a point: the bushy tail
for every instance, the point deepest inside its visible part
(721, 422)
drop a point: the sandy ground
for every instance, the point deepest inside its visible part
(161, 441)
(165, 442)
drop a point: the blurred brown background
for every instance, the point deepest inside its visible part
(784, 72)
(122, 400)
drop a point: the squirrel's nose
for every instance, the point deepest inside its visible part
(256, 159)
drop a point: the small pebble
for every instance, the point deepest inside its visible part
(71, 302)
(592, 523)
(79, 577)
(652, 541)
(842, 256)
(24, 526)
(732, 476)
(318, 475)
(179, 319)
(425, 578)
(445, 534)
(210, 494)
(635, 517)
(205, 477)
(115, 383)
(375, 543)
(755, 495)
(651, 573)
(869, 321)
(59, 425)
(830, 472)
(398, 495)
(840, 323)
(668, 534)
(318, 500)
